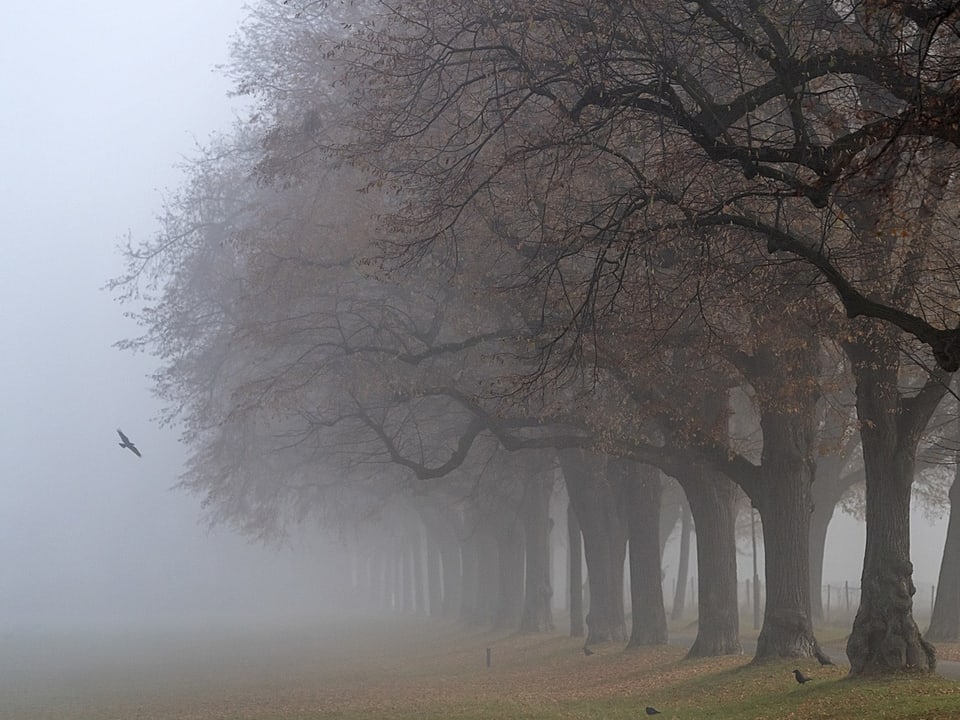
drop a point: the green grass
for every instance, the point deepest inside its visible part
(405, 670)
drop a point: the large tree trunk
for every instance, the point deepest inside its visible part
(787, 629)
(945, 621)
(642, 489)
(712, 499)
(683, 564)
(885, 637)
(604, 542)
(780, 490)
(783, 499)
(575, 563)
(535, 518)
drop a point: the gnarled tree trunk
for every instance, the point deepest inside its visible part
(885, 637)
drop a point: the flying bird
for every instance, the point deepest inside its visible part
(127, 444)
(801, 678)
(652, 711)
(587, 651)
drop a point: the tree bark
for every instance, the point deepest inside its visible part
(945, 621)
(642, 489)
(783, 499)
(885, 637)
(780, 490)
(712, 500)
(604, 542)
(535, 518)
(575, 562)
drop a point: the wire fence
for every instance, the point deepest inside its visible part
(840, 600)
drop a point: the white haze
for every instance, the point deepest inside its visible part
(100, 100)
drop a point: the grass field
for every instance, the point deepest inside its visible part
(405, 670)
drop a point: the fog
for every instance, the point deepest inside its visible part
(100, 103)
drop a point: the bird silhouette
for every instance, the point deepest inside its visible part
(824, 660)
(587, 651)
(127, 444)
(801, 678)
(652, 711)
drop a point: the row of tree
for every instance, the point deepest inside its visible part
(715, 240)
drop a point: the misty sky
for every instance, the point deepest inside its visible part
(100, 101)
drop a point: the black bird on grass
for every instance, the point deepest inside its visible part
(801, 678)
(652, 711)
(127, 444)
(587, 651)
